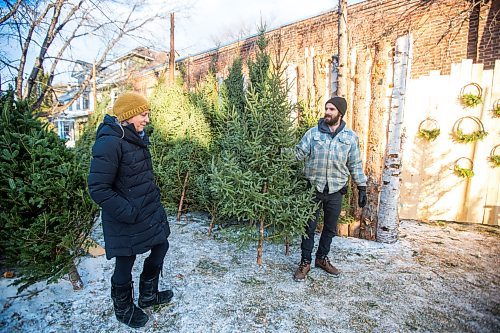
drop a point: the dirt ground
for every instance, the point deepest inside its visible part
(440, 277)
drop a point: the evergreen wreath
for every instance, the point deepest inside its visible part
(471, 99)
(463, 172)
(496, 109)
(494, 158)
(476, 135)
(430, 133)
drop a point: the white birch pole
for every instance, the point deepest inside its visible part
(342, 48)
(388, 216)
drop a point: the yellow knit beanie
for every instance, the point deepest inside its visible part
(128, 105)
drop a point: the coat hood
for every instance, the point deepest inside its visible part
(324, 128)
(110, 126)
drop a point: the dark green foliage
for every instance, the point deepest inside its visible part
(45, 212)
(234, 86)
(253, 179)
(180, 144)
(259, 68)
(308, 113)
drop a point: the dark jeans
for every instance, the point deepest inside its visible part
(332, 204)
(152, 265)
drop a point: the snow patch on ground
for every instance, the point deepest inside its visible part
(438, 277)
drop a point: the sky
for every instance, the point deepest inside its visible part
(199, 26)
(208, 23)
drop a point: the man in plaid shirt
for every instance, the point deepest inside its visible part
(331, 153)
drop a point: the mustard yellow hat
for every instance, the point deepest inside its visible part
(128, 105)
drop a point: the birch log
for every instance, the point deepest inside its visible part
(343, 52)
(377, 139)
(388, 216)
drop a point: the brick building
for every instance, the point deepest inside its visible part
(445, 31)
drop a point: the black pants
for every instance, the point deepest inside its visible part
(332, 204)
(152, 265)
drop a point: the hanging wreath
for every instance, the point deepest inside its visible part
(476, 135)
(496, 109)
(470, 95)
(461, 170)
(494, 157)
(429, 129)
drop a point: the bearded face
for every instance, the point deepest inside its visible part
(332, 115)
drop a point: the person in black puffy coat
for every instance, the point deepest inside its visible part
(134, 221)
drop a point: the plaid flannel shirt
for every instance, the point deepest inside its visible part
(330, 159)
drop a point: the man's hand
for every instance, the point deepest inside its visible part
(362, 196)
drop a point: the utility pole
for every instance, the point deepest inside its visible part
(343, 46)
(171, 66)
(94, 88)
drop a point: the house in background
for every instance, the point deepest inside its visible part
(70, 123)
(122, 74)
(138, 70)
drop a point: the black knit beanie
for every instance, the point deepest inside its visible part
(340, 103)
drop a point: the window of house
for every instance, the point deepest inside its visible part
(78, 106)
(85, 101)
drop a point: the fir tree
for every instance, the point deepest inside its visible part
(180, 144)
(234, 86)
(45, 211)
(254, 181)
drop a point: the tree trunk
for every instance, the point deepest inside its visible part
(183, 194)
(377, 132)
(388, 218)
(261, 234)
(343, 52)
(360, 124)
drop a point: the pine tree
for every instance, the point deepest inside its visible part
(255, 182)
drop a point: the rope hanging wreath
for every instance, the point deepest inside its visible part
(494, 157)
(461, 170)
(470, 95)
(428, 129)
(462, 137)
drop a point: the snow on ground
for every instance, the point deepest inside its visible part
(437, 278)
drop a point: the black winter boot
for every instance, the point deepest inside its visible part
(125, 309)
(149, 294)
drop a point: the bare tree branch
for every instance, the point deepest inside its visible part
(11, 12)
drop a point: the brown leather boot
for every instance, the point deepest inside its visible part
(301, 272)
(324, 263)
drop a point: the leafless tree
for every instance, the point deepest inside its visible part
(41, 35)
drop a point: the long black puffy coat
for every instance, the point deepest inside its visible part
(121, 182)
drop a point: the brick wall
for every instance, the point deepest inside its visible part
(444, 32)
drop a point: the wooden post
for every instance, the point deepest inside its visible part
(377, 132)
(171, 66)
(261, 233)
(388, 216)
(181, 202)
(360, 124)
(342, 47)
